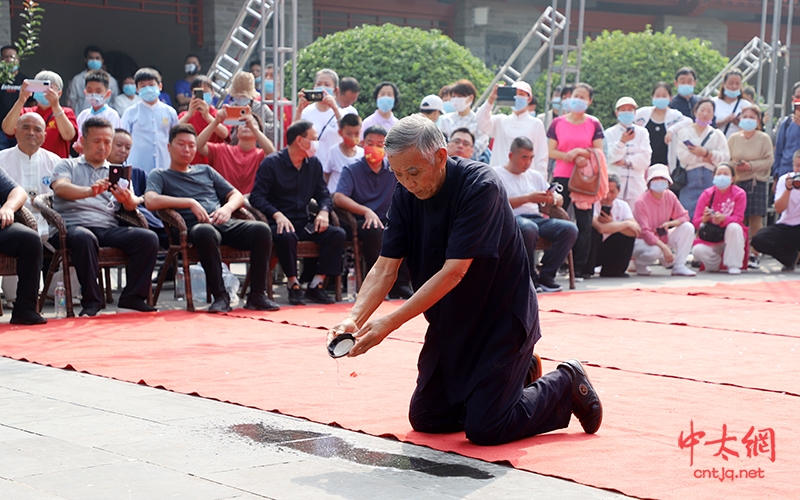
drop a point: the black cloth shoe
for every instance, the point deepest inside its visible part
(401, 292)
(585, 402)
(221, 304)
(318, 295)
(90, 311)
(27, 318)
(136, 305)
(549, 284)
(296, 295)
(260, 302)
(535, 370)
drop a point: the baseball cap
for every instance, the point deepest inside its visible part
(431, 102)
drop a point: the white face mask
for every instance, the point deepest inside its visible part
(312, 148)
(460, 103)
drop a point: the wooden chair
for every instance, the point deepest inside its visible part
(348, 219)
(107, 257)
(555, 212)
(179, 245)
(305, 249)
(8, 264)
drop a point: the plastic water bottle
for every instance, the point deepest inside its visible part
(351, 284)
(61, 300)
(180, 285)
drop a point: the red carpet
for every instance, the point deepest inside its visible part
(729, 367)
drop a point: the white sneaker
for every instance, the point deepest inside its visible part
(683, 271)
(643, 271)
(734, 270)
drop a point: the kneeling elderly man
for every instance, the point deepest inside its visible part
(450, 218)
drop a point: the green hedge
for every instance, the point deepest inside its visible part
(419, 62)
(617, 64)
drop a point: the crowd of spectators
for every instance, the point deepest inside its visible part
(685, 180)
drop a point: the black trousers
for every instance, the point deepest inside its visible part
(140, 244)
(499, 410)
(781, 241)
(583, 219)
(22, 242)
(331, 247)
(614, 254)
(371, 241)
(241, 234)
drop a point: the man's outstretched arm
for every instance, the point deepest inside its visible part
(373, 332)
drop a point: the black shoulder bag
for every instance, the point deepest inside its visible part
(710, 232)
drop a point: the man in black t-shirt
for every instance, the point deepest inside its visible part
(206, 201)
(451, 220)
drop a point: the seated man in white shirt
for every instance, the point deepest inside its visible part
(614, 231)
(505, 128)
(31, 167)
(782, 240)
(628, 151)
(526, 188)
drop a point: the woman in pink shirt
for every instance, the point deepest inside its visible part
(569, 137)
(723, 204)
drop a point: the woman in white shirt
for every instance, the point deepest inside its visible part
(662, 123)
(700, 149)
(729, 105)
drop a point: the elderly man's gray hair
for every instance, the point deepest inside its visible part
(415, 132)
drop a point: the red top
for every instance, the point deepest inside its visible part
(199, 124)
(52, 137)
(236, 165)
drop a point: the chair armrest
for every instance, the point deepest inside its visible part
(258, 214)
(24, 216)
(131, 218)
(44, 203)
(173, 220)
(554, 212)
(346, 218)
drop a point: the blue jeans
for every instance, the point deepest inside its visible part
(561, 233)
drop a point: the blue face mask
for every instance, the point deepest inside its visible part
(659, 186)
(326, 89)
(385, 103)
(566, 105)
(448, 107)
(129, 89)
(748, 124)
(660, 102)
(208, 97)
(94, 64)
(578, 105)
(686, 90)
(258, 81)
(149, 93)
(732, 94)
(520, 103)
(241, 101)
(41, 99)
(722, 181)
(625, 117)
(269, 86)
(556, 104)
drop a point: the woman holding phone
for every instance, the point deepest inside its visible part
(729, 104)
(570, 136)
(700, 148)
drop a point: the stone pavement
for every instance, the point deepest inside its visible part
(70, 435)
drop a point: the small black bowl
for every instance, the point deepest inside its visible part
(341, 345)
